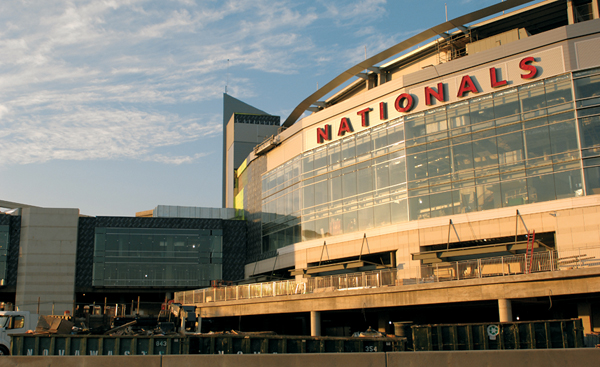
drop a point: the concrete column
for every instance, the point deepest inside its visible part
(595, 9)
(315, 323)
(505, 310)
(47, 259)
(584, 312)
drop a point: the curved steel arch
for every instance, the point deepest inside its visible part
(394, 50)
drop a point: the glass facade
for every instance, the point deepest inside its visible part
(157, 257)
(4, 242)
(516, 146)
(587, 93)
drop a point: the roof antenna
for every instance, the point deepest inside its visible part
(446, 6)
(227, 82)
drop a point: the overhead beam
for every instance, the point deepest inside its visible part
(396, 49)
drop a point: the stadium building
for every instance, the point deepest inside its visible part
(454, 177)
(480, 144)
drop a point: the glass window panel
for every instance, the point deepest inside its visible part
(586, 72)
(419, 207)
(365, 180)
(538, 143)
(379, 139)
(464, 200)
(381, 215)
(588, 111)
(592, 180)
(348, 150)
(485, 153)
(482, 109)
(296, 200)
(365, 218)
(508, 120)
(296, 169)
(458, 115)
(281, 205)
(435, 121)
(398, 208)
(415, 126)
(321, 192)
(438, 162)
(363, 145)
(508, 129)
(561, 117)
(308, 196)
(588, 102)
(558, 91)
(322, 227)
(397, 171)
(349, 184)
(441, 204)
(395, 133)
(589, 129)
(510, 148)
(587, 87)
(506, 103)
(533, 97)
(541, 188)
(563, 137)
(462, 156)
(279, 179)
(382, 176)
(335, 157)
(568, 184)
(320, 160)
(335, 225)
(489, 196)
(307, 162)
(287, 173)
(417, 163)
(535, 122)
(514, 192)
(308, 233)
(350, 222)
(335, 187)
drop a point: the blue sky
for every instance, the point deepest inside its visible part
(115, 107)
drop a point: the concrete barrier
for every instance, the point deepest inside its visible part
(80, 361)
(489, 358)
(498, 358)
(278, 360)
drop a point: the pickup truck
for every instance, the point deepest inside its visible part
(14, 322)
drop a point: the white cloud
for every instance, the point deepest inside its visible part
(103, 79)
(100, 134)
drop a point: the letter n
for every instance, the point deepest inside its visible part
(439, 95)
(323, 134)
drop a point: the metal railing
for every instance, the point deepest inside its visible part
(447, 271)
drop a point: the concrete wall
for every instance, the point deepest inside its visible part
(516, 358)
(47, 256)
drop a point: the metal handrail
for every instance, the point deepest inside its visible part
(449, 271)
